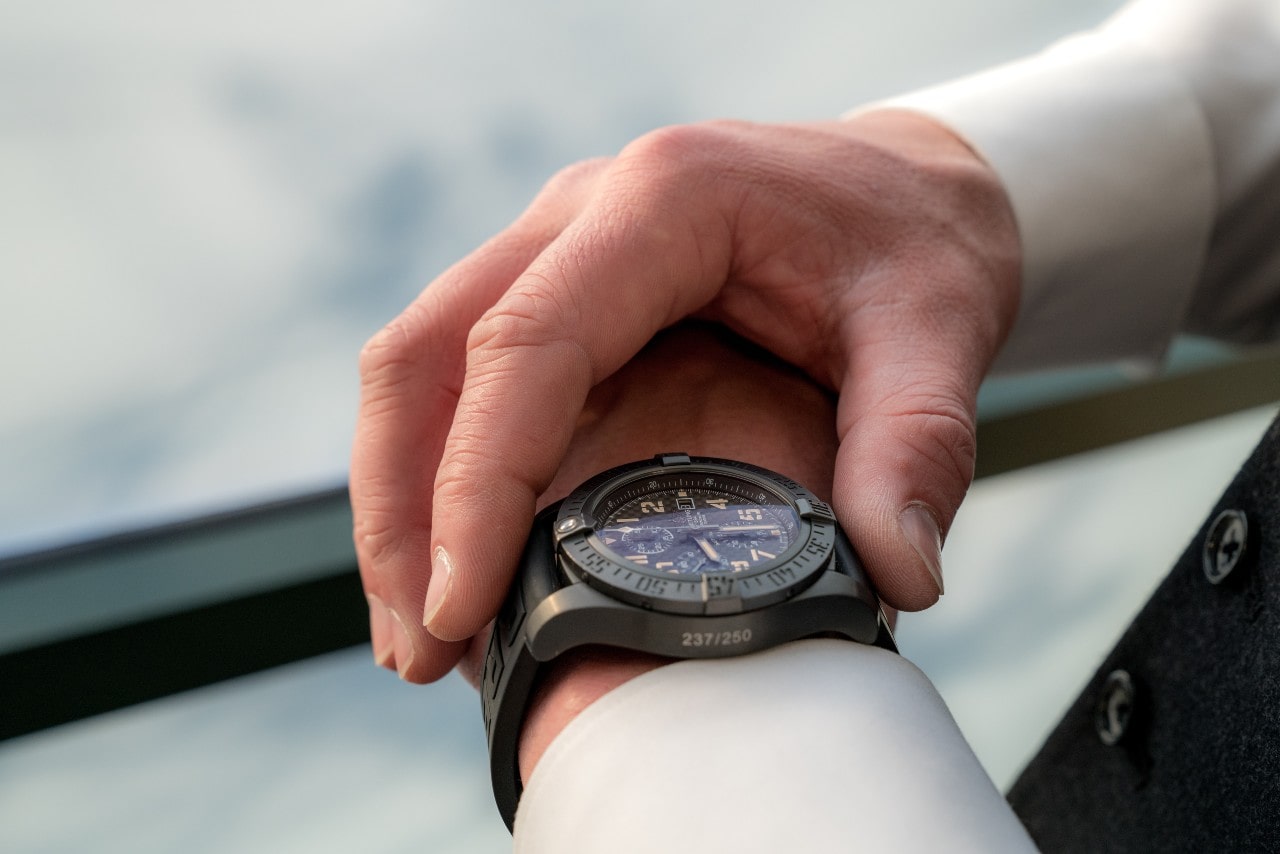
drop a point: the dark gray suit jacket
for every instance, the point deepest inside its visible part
(1175, 743)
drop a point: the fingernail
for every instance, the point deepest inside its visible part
(401, 643)
(380, 632)
(920, 527)
(441, 574)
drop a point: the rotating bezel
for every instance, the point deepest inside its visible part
(584, 557)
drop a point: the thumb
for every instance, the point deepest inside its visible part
(906, 423)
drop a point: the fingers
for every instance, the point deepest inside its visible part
(906, 422)
(697, 388)
(411, 377)
(918, 331)
(861, 264)
(634, 262)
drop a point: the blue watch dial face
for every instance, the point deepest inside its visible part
(684, 525)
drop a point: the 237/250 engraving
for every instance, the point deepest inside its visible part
(715, 638)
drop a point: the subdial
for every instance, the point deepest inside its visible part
(647, 540)
(737, 539)
(750, 537)
(687, 563)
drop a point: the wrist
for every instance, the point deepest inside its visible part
(575, 681)
(963, 176)
(696, 381)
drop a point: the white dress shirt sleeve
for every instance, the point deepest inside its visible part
(816, 746)
(1142, 161)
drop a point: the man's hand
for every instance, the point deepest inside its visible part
(878, 254)
(697, 389)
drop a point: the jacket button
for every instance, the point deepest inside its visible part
(1115, 707)
(1225, 545)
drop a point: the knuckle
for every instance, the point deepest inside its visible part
(673, 143)
(939, 429)
(559, 201)
(411, 355)
(670, 161)
(572, 179)
(376, 537)
(385, 346)
(681, 143)
(535, 312)
(392, 354)
(499, 374)
(487, 401)
(457, 473)
(471, 464)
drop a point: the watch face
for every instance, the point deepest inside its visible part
(677, 525)
(695, 535)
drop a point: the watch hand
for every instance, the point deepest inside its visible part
(655, 530)
(707, 549)
(701, 562)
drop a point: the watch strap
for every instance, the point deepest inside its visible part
(510, 670)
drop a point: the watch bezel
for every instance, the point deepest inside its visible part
(585, 558)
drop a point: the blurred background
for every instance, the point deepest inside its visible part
(206, 210)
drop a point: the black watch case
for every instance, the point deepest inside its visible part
(678, 556)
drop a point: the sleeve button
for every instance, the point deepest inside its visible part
(1225, 545)
(1115, 707)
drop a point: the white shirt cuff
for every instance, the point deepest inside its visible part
(1107, 160)
(818, 745)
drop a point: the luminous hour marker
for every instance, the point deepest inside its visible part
(636, 519)
(663, 564)
(757, 554)
(638, 558)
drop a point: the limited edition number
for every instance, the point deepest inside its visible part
(715, 638)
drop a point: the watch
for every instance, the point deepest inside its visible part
(686, 557)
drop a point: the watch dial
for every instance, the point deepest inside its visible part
(687, 524)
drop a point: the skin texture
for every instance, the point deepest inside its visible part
(697, 389)
(877, 255)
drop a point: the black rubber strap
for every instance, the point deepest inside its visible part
(510, 670)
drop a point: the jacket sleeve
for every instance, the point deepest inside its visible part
(1142, 160)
